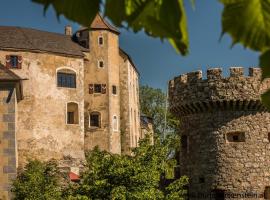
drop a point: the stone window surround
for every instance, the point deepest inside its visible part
(241, 136)
(66, 120)
(100, 120)
(115, 120)
(67, 68)
(99, 63)
(100, 38)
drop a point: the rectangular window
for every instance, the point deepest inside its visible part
(100, 40)
(218, 194)
(14, 61)
(97, 88)
(267, 192)
(70, 118)
(114, 91)
(235, 137)
(66, 80)
(184, 143)
(95, 120)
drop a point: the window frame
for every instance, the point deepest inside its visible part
(113, 127)
(78, 110)
(99, 119)
(72, 72)
(100, 85)
(102, 39)
(103, 64)
(114, 90)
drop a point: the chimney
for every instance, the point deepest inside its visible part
(68, 30)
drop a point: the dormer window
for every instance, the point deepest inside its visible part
(13, 61)
(100, 40)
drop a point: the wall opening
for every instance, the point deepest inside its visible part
(115, 123)
(236, 136)
(269, 137)
(95, 119)
(184, 143)
(218, 194)
(72, 113)
(201, 180)
(267, 192)
(66, 78)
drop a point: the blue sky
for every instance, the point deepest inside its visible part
(157, 61)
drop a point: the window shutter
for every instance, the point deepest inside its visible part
(103, 88)
(19, 62)
(91, 88)
(8, 61)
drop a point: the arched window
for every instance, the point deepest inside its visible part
(72, 113)
(66, 78)
(115, 123)
(95, 119)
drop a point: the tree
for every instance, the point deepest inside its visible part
(38, 181)
(153, 104)
(106, 176)
(246, 21)
(111, 176)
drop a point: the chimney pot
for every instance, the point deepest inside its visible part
(68, 30)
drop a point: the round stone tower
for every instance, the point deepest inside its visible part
(225, 130)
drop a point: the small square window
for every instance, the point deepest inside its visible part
(236, 137)
(100, 40)
(114, 90)
(100, 64)
(97, 88)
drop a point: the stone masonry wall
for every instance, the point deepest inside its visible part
(225, 131)
(7, 140)
(42, 129)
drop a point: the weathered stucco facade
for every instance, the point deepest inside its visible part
(71, 97)
(225, 133)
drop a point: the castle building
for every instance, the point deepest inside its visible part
(225, 133)
(64, 94)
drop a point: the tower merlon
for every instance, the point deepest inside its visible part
(189, 90)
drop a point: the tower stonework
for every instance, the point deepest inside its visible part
(225, 140)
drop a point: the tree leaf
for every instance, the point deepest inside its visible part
(265, 64)
(157, 18)
(248, 22)
(81, 11)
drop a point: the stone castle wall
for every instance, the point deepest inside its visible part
(7, 139)
(225, 131)
(43, 132)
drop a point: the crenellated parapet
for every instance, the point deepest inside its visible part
(190, 93)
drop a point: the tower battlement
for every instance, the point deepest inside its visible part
(190, 93)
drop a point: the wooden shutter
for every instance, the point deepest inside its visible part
(103, 88)
(8, 61)
(19, 62)
(91, 88)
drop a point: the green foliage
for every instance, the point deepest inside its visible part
(248, 22)
(106, 176)
(153, 104)
(150, 16)
(37, 181)
(175, 189)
